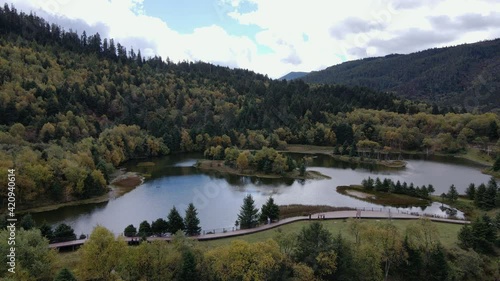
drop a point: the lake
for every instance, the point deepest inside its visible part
(173, 181)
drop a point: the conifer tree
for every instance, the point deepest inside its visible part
(191, 221)
(65, 275)
(270, 210)
(175, 221)
(249, 215)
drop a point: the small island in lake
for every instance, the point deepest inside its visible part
(387, 192)
(264, 163)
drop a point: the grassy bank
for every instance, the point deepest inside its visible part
(466, 205)
(381, 198)
(447, 231)
(447, 235)
(220, 167)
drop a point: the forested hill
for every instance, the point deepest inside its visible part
(75, 105)
(467, 75)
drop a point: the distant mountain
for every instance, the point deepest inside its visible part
(293, 75)
(467, 75)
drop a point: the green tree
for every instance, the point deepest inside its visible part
(191, 221)
(437, 267)
(34, 259)
(27, 222)
(189, 269)
(496, 166)
(64, 232)
(145, 229)
(130, 231)
(244, 261)
(175, 221)
(452, 194)
(314, 242)
(249, 214)
(471, 191)
(100, 255)
(159, 226)
(269, 210)
(479, 198)
(65, 275)
(46, 231)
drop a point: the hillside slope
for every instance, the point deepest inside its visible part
(467, 75)
(293, 75)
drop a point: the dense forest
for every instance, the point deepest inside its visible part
(467, 75)
(76, 106)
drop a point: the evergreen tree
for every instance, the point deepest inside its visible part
(270, 210)
(411, 269)
(466, 237)
(313, 240)
(496, 166)
(471, 191)
(175, 221)
(493, 131)
(437, 268)
(302, 168)
(479, 199)
(354, 150)
(130, 231)
(490, 194)
(27, 222)
(452, 194)
(189, 271)
(65, 275)
(191, 221)
(64, 232)
(249, 215)
(46, 231)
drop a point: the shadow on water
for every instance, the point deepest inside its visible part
(56, 216)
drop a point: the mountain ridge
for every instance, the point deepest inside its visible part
(463, 75)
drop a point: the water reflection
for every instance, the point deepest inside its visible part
(172, 181)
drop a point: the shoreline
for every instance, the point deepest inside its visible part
(116, 190)
(382, 198)
(219, 167)
(327, 150)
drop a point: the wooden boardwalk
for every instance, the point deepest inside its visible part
(318, 216)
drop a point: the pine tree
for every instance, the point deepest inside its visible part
(437, 267)
(191, 221)
(64, 232)
(65, 275)
(471, 191)
(46, 231)
(496, 166)
(270, 210)
(452, 194)
(249, 215)
(479, 196)
(27, 222)
(175, 221)
(188, 270)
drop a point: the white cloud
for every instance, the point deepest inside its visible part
(335, 32)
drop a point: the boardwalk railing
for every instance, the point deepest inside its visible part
(219, 233)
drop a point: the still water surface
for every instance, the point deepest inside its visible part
(175, 182)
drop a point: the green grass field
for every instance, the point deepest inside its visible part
(447, 235)
(447, 231)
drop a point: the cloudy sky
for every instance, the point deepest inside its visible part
(275, 37)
